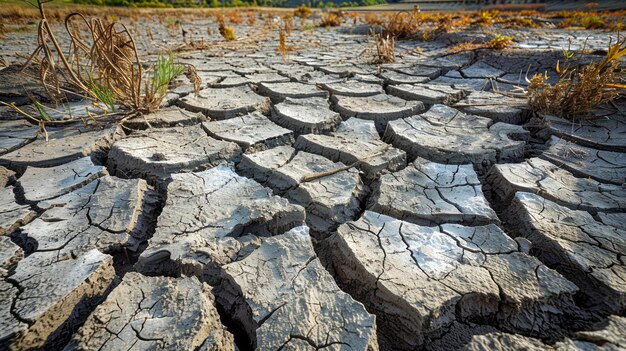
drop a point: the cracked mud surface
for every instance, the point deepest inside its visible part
(212, 218)
(284, 298)
(150, 313)
(373, 156)
(469, 138)
(225, 103)
(420, 279)
(319, 202)
(251, 132)
(556, 184)
(307, 115)
(427, 192)
(329, 200)
(158, 153)
(587, 251)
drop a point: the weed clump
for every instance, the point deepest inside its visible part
(227, 32)
(487, 18)
(578, 91)
(105, 69)
(331, 19)
(404, 24)
(288, 24)
(385, 48)
(500, 42)
(282, 44)
(251, 18)
(303, 12)
(373, 19)
(593, 22)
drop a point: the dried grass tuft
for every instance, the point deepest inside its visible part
(404, 24)
(331, 19)
(103, 65)
(282, 44)
(251, 18)
(303, 12)
(499, 42)
(288, 24)
(385, 48)
(579, 90)
(227, 32)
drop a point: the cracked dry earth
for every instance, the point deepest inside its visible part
(321, 203)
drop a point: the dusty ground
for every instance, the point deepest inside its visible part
(230, 220)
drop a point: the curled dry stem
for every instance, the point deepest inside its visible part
(105, 67)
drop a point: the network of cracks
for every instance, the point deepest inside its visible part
(319, 203)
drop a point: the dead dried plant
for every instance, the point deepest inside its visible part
(105, 67)
(227, 32)
(499, 42)
(303, 11)
(519, 22)
(580, 89)
(404, 24)
(373, 19)
(268, 22)
(288, 24)
(487, 18)
(251, 18)
(331, 19)
(235, 17)
(282, 44)
(385, 48)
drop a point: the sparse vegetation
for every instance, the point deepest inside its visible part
(385, 48)
(486, 18)
(235, 17)
(579, 90)
(251, 18)
(403, 24)
(592, 22)
(106, 69)
(227, 32)
(373, 19)
(288, 24)
(519, 22)
(331, 19)
(282, 44)
(500, 42)
(303, 12)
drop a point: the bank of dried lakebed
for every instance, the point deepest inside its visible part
(320, 203)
